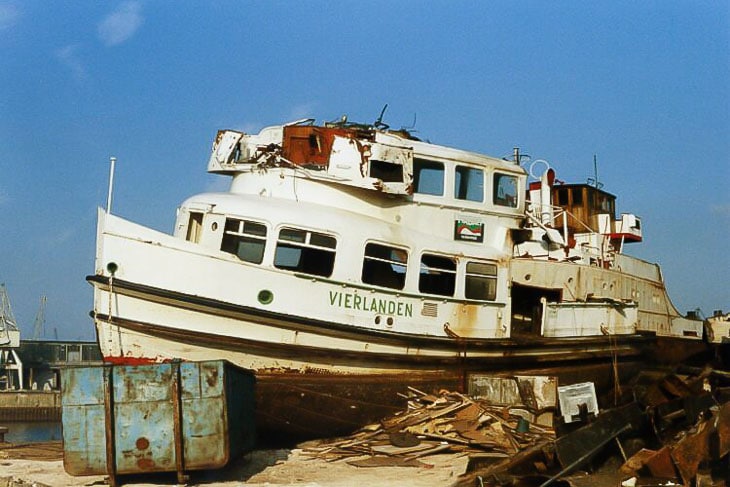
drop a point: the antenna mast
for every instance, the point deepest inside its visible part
(40, 320)
(594, 180)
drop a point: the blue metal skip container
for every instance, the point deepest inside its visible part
(172, 417)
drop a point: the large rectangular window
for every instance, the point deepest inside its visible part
(428, 177)
(468, 183)
(384, 266)
(505, 190)
(437, 275)
(244, 239)
(481, 281)
(305, 251)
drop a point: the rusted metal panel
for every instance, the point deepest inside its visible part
(155, 418)
(692, 450)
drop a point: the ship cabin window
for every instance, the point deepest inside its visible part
(386, 171)
(244, 239)
(428, 177)
(437, 275)
(469, 183)
(305, 251)
(195, 227)
(604, 204)
(505, 190)
(384, 266)
(563, 199)
(577, 194)
(481, 281)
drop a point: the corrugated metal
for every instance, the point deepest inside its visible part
(154, 418)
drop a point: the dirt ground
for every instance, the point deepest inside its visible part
(260, 468)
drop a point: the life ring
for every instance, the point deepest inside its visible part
(532, 165)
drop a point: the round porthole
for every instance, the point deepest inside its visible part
(265, 296)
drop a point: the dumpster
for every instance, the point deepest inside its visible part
(171, 417)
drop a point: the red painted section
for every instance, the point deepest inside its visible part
(132, 360)
(626, 236)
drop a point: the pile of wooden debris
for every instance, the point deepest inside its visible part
(431, 424)
(507, 426)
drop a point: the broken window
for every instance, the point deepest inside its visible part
(305, 251)
(481, 281)
(437, 275)
(195, 227)
(386, 171)
(428, 177)
(469, 183)
(245, 239)
(505, 190)
(384, 266)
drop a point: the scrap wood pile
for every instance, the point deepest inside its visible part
(433, 424)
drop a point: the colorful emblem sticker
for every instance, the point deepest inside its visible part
(469, 231)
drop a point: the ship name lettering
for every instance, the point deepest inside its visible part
(365, 303)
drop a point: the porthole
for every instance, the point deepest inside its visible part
(265, 296)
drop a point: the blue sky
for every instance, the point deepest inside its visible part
(645, 86)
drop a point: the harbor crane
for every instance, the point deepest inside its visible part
(40, 320)
(10, 364)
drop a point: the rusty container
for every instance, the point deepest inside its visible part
(172, 417)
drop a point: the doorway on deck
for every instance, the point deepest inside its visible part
(527, 308)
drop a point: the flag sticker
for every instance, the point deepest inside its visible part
(469, 231)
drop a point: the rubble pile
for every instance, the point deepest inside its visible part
(671, 429)
(449, 421)
(690, 421)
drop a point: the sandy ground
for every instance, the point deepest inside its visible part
(259, 468)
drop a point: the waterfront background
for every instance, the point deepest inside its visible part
(33, 432)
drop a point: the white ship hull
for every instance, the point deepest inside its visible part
(338, 275)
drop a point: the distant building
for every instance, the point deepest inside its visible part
(42, 359)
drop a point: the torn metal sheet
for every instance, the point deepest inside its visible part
(689, 452)
(535, 392)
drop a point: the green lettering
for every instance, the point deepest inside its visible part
(348, 299)
(409, 309)
(356, 304)
(400, 309)
(333, 297)
(381, 306)
(391, 307)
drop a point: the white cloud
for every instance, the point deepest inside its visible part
(722, 210)
(121, 24)
(9, 15)
(68, 57)
(303, 110)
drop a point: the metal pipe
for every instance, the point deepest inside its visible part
(112, 160)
